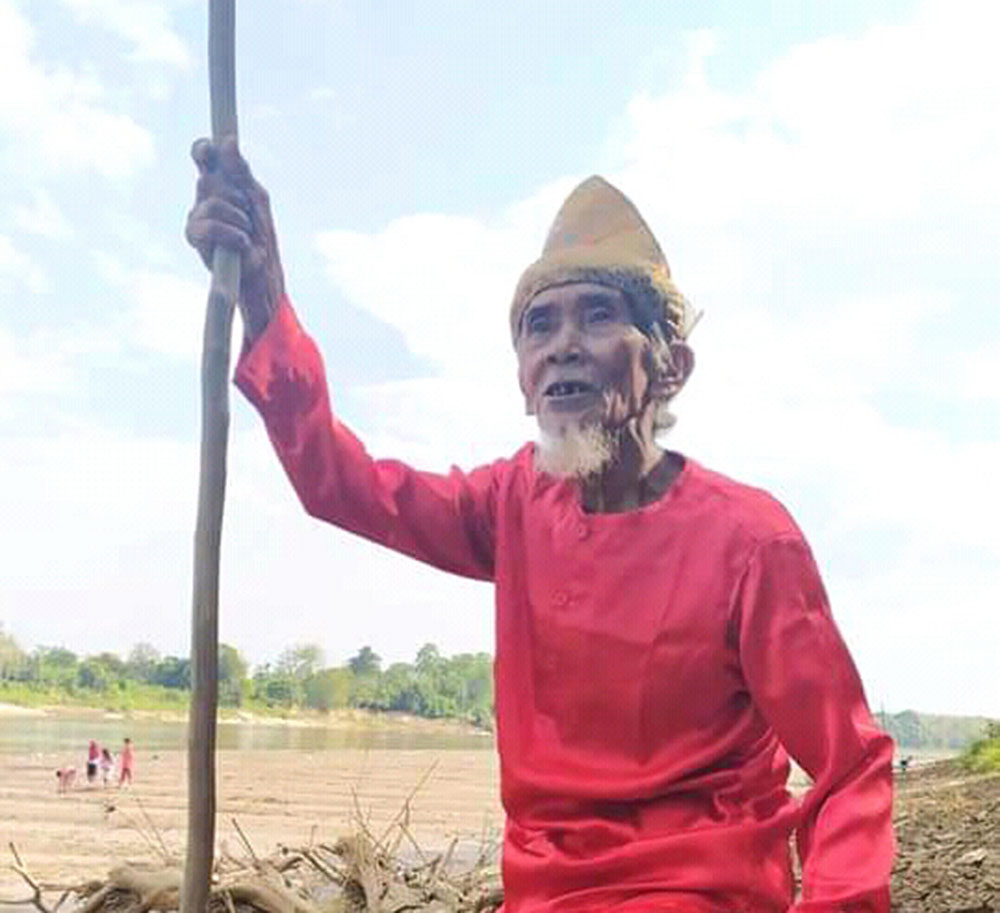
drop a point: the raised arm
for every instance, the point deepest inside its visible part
(801, 677)
(444, 520)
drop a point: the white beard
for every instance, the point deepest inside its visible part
(577, 452)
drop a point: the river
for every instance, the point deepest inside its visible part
(27, 734)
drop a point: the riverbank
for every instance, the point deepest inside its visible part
(345, 719)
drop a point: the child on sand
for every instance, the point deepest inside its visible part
(93, 757)
(107, 765)
(126, 764)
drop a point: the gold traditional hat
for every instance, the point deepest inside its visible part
(599, 236)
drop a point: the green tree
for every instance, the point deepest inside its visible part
(279, 691)
(13, 660)
(300, 661)
(365, 662)
(94, 675)
(113, 663)
(365, 668)
(54, 666)
(328, 689)
(232, 675)
(142, 661)
(173, 672)
(429, 660)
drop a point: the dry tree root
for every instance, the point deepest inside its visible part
(357, 874)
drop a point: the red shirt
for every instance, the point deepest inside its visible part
(652, 670)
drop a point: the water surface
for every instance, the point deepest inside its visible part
(28, 734)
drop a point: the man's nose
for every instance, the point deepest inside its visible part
(566, 346)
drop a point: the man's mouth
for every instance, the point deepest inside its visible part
(565, 388)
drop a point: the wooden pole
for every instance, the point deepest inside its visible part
(211, 495)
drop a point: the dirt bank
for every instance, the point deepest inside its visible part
(948, 828)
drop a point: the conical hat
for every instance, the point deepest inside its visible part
(599, 236)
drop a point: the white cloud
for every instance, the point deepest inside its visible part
(43, 218)
(28, 367)
(18, 267)
(445, 281)
(52, 119)
(169, 314)
(166, 312)
(144, 25)
(882, 126)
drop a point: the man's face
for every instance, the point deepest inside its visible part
(581, 359)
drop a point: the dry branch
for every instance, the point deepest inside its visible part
(357, 874)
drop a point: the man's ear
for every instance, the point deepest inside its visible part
(673, 374)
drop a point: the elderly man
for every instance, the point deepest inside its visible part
(663, 640)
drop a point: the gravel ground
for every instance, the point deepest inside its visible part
(948, 829)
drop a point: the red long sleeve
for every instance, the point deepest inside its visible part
(653, 670)
(336, 479)
(802, 678)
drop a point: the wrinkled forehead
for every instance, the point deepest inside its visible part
(577, 292)
(582, 293)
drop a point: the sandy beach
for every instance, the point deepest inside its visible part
(287, 797)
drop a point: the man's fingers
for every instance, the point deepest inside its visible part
(205, 234)
(205, 155)
(212, 158)
(233, 163)
(214, 184)
(220, 210)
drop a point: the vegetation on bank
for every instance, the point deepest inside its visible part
(433, 686)
(910, 729)
(983, 755)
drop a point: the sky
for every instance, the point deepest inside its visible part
(823, 179)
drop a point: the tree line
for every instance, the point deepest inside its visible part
(433, 685)
(926, 730)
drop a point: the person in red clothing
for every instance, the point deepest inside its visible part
(93, 759)
(126, 764)
(663, 639)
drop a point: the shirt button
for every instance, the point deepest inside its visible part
(582, 531)
(560, 598)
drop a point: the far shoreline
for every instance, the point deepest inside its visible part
(345, 719)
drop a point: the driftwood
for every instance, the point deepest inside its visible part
(356, 874)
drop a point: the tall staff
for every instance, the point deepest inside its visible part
(211, 493)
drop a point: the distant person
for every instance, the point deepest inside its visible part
(126, 764)
(664, 640)
(93, 761)
(904, 764)
(107, 765)
(65, 777)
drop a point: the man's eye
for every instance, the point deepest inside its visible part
(538, 323)
(600, 314)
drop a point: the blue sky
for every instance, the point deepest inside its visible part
(822, 177)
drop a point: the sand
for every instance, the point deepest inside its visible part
(288, 797)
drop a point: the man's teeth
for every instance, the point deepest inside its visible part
(567, 388)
